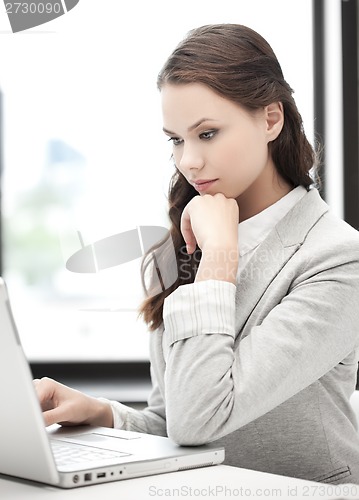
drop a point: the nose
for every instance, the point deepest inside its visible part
(190, 159)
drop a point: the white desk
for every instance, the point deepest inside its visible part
(217, 482)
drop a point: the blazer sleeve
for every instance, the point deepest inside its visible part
(154, 415)
(212, 388)
(151, 420)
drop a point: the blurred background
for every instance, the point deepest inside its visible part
(83, 157)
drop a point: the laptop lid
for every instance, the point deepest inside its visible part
(25, 449)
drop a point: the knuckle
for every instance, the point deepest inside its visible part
(46, 380)
(191, 202)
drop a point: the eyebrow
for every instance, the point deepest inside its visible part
(192, 127)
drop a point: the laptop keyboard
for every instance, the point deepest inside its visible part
(68, 453)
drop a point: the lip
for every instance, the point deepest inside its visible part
(203, 184)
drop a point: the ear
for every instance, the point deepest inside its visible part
(275, 120)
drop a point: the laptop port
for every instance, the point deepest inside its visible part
(76, 478)
(88, 476)
(101, 474)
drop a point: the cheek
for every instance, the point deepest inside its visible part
(244, 158)
(230, 151)
(244, 152)
(241, 154)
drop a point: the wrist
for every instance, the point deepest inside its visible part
(101, 412)
(228, 248)
(218, 263)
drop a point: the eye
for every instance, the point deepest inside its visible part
(175, 140)
(208, 135)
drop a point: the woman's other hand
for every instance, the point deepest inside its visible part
(211, 222)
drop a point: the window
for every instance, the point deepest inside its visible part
(85, 158)
(336, 103)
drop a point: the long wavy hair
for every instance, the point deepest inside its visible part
(238, 64)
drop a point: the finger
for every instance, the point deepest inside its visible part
(55, 416)
(44, 390)
(187, 232)
(50, 417)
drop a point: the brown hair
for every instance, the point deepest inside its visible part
(238, 64)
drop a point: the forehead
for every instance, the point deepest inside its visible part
(193, 101)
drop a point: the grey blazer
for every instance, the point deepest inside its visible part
(266, 368)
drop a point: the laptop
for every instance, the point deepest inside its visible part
(73, 456)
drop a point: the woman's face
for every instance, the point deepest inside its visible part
(217, 140)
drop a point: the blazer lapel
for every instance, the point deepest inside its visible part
(275, 251)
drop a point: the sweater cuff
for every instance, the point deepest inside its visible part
(203, 307)
(119, 412)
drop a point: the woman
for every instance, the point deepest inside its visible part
(255, 345)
